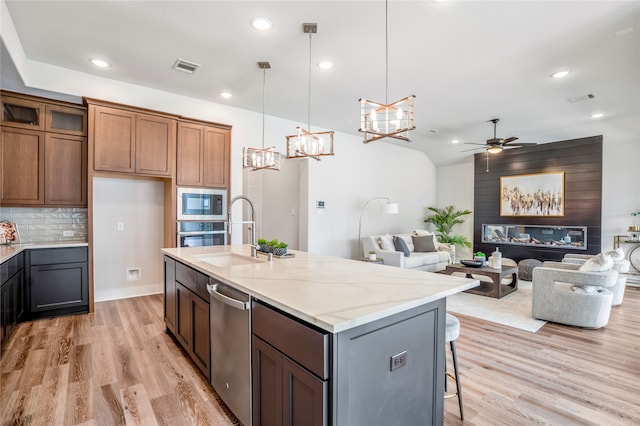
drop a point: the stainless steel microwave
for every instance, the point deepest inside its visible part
(202, 204)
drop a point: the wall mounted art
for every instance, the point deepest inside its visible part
(540, 194)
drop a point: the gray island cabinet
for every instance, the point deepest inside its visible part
(336, 341)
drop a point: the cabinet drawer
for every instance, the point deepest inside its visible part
(193, 280)
(57, 255)
(303, 344)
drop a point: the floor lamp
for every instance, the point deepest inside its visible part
(389, 208)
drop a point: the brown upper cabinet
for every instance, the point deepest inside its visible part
(33, 113)
(44, 152)
(203, 155)
(126, 141)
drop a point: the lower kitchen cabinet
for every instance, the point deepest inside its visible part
(290, 370)
(12, 295)
(170, 294)
(57, 281)
(192, 326)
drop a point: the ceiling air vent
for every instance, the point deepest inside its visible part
(581, 98)
(185, 66)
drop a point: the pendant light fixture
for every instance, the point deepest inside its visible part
(307, 144)
(265, 158)
(386, 120)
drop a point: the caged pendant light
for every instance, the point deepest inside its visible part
(307, 144)
(264, 158)
(386, 120)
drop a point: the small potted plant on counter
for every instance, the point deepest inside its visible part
(279, 248)
(263, 246)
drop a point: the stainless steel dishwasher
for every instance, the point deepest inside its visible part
(230, 348)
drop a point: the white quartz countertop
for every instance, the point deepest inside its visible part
(333, 293)
(8, 251)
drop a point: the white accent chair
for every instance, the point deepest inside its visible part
(563, 294)
(622, 266)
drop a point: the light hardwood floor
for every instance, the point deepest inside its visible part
(117, 366)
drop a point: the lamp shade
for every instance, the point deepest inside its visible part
(391, 208)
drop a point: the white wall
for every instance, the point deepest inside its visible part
(138, 205)
(455, 187)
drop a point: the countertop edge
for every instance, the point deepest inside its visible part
(8, 251)
(384, 311)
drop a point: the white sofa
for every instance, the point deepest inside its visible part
(432, 261)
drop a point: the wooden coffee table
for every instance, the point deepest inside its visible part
(494, 288)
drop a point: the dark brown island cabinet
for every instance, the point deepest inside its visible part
(186, 311)
(383, 372)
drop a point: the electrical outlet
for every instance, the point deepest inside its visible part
(399, 360)
(68, 233)
(120, 226)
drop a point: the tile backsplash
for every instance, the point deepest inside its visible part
(37, 224)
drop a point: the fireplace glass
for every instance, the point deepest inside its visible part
(565, 237)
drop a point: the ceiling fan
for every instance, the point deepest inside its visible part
(496, 145)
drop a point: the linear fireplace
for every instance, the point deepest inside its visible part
(561, 237)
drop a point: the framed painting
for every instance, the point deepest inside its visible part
(540, 194)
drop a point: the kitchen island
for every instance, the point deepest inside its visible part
(367, 340)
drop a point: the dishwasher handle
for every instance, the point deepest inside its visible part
(229, 301)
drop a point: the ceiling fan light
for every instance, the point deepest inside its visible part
(494, 149)
(560, 73)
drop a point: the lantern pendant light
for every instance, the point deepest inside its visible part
(386, 120)
(264, 158)
(307, 144)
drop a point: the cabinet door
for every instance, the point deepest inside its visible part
(266, 383)
(59, 286)
(304, 396)
(72, 121)
(22, 157)
(114, 133)
(190, 163)
(7, 306)
(183, 318)
(170, 294)
(65, 170)
(216, 157)
(155, 145)
(201, 336)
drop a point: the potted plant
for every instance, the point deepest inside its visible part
(444, 220)
(479, 255)
(372, 255)
(262, 245)
(279, 248)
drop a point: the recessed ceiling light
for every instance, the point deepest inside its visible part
(100, 63)
(597, 115)
(261, 24)
(455, 141)
(325, 65)
(225, 94)
(560, 74)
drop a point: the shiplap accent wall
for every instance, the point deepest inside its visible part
(579, 159)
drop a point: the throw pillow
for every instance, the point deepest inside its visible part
(401, 245)
(421, 232)
(598, 263)
(386, 242)
(617, 254)
(424, 243)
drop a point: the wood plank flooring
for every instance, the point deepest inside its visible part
(118, 367)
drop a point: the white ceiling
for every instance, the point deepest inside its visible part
(466, 61)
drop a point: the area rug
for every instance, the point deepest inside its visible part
(513, 310)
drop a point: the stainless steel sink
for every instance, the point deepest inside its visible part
(225, 260)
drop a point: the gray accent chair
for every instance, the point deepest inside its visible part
(560, 294)
(622, 266)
